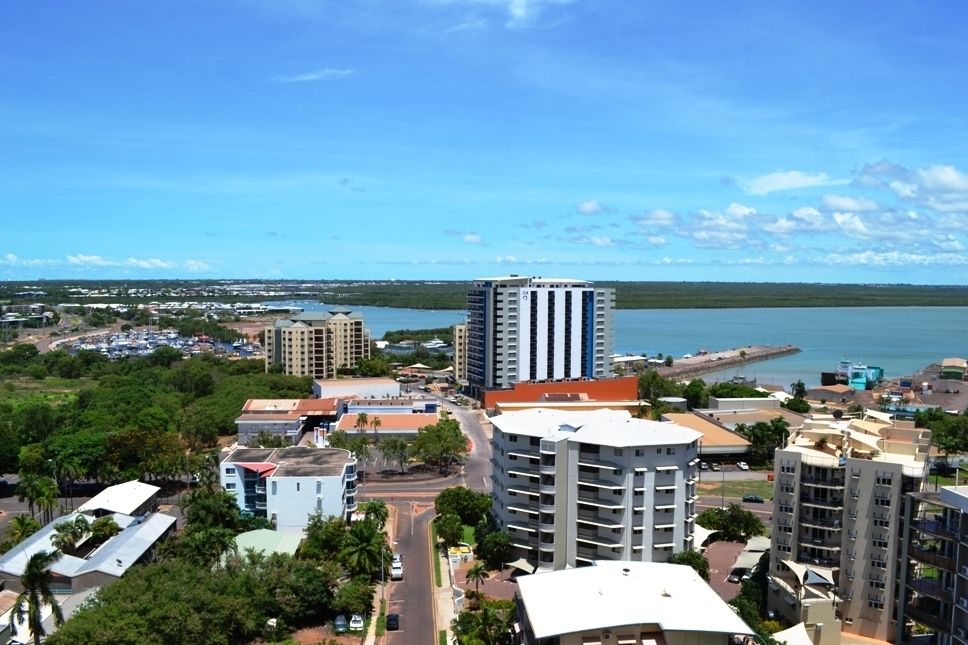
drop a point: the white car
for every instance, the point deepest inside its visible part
(396, 571)
(742, 465)
(356, 623)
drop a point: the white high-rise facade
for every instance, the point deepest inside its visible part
(537, 329)
(575, 487)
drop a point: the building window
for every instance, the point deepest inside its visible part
(297, 487)
(876, 604)
(639, 452)
(879, 564)
(670, 451)
(230, 486)
(880, 544)
(230, 471)
(618, 452)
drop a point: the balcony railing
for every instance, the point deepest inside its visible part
(825, 482)
(829, 502)
(933, 558)
(931, 587)
(934, 528)
(831, 524)
(927, 613)
(596, 520)
(597, 501)
(806, 558)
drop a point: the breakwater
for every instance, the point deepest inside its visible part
(714, 361)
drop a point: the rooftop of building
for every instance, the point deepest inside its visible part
(268, 542)
(297, 461)
(623, 594)
(732, 418)
(604, 427)
(827, 440)
(713, 434)
(514, 280)
(389, 422)
(356, 402)
(310, 317)
(364, 381)
(123, 498)
(289, 407)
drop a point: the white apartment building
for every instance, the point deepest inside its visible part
(836, 549)
(317, 344)
(537, 329)
(575, 487)
(287, 485)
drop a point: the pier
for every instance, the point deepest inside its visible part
(693, 366)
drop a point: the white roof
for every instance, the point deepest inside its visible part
(123, 498)
(796, 635)
(615, 594)
(603, 427)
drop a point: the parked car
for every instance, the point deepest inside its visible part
(397, 558)
(396, 571)
(703, 465)
(742, 465)
(736, 575)
(715, 467)
(341, 625)
(393, 622)
(356, 623)
(753, 499)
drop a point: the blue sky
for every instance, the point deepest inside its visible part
(412, 139)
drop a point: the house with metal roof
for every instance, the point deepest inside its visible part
(129, 498)
(89, 564)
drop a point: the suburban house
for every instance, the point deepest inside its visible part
(624, 603)
(287, 485)
(92, 564)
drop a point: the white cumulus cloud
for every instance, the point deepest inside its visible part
(810, 216)
(789, 180)
(659, 217)
(848, 203)
(472, 238)
(197, 265)
(656, 240)
(739, 210)
(89, 260)
(591, 207)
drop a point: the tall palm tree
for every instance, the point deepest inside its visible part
(47, 497)
(363, 548)
(36, 593)
(476, 574)
(29, 489)
(68, 534)
(21, 527)
(362, 420)
(69, 471)
(376, 424)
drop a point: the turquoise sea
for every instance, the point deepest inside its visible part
(901, 340)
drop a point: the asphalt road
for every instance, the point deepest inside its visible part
(413, 596)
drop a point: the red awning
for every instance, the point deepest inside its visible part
(261, 468)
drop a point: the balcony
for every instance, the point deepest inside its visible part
(546, 508)
(932, 557)
(260, 505)
(591, 537)
(546, 546)
(529, 509)
(595, 520)
(830, 524)
(806, 558)
(546, 489)
(599, 483)
(823, 482)
(820, 543)
(260, 490)
(530, 527)
(928, 613)
(931, 587)
(934, 527)
(824, 502)
(597, 501)
(547, 469)
(546, 527)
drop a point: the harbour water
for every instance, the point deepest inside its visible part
(899, 339)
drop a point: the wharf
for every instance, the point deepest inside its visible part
(715, 361)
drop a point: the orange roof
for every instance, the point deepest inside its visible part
(289, 407)
(712, 434)
(389, 422)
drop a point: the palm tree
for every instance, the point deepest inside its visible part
(376, 511)
(48, 492)
(363, 548)
(376, 424)
(36, 593)
(68, 534)
(69, 471)
(362, 420)
(21, 527)
(476, 574)
(28, 489)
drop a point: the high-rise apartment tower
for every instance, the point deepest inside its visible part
(537, 329)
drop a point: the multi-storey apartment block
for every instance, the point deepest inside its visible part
(460, 352)
(534, 329)
(575, 487)
(933, 591)
(840, 486)
(287, 485)
(317, 344)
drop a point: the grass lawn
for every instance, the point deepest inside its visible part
(469, 535)
(442, 637)
(937, 481)
(737, 489)
(50, 390)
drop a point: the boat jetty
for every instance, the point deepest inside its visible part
(115, 345)
(704, 362)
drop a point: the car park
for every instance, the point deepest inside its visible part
(356, 623)
(341, 625)
(393, 622)
(742, 465)
(753, 499)
(396, 571)
(703, 465)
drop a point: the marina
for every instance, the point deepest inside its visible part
(134, 343)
